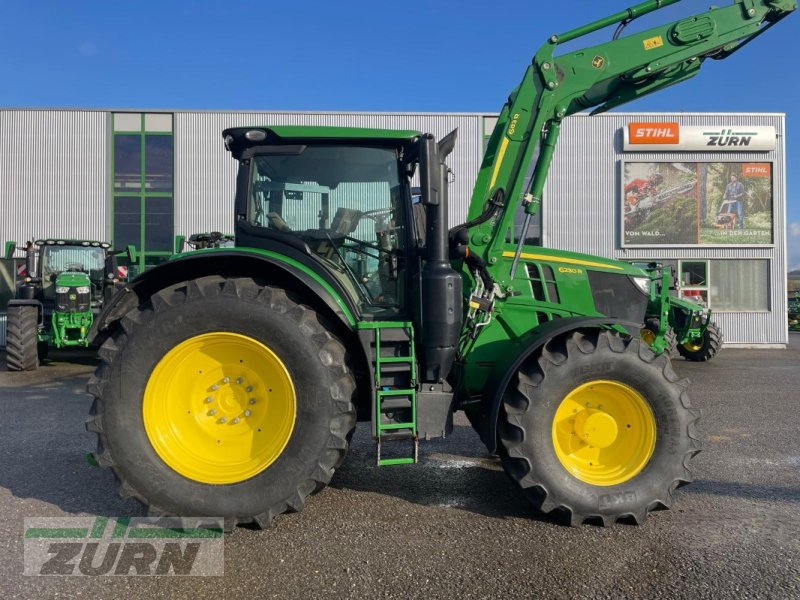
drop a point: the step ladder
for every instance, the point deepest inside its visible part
(394, 409)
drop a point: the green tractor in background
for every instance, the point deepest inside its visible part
(676, 325)
(793, 306)
(57, 297)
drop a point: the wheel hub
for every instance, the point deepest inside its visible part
(219, 408)
(596, 428)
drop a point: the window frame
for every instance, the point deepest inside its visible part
(142, 253)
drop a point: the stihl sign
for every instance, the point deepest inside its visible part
(670, 136)
(654, 133)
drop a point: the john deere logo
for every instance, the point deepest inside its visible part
(598, 62)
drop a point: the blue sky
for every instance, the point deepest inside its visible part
(418, 55)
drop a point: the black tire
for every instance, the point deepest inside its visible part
(22, 324)
(707, 349)
(670, 338)
(315, 360)
(529, 408)
(474, 418)
(42, 350)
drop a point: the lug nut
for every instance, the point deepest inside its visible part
(235, 420)
(252, 401)
(211, 413)
(247, 413)
(240, 380)
(249, 388)
(222, 419)
(214, 387)
(226, 380)
(208, 400)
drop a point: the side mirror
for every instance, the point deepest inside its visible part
(131, 250)
(10, 248)
(180, 241)
(111, 267)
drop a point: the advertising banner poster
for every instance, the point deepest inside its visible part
(697, 203)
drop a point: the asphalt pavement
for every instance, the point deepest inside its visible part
(454, 525)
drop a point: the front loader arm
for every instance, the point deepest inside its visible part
(600, 77)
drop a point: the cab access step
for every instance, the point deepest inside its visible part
(394, 386)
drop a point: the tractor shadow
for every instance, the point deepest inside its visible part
(456, 472)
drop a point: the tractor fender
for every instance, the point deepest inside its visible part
(530, 343)
(308, 279)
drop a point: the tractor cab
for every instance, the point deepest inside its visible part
(67, 266)
(340, 197)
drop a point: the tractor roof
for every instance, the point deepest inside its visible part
(71, 242)
(237, 138)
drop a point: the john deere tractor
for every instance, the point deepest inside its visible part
(793, 305)
(232, 378)
(675, 325)
(57, 297)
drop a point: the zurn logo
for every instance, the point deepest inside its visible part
(101, 546)
(729, 137)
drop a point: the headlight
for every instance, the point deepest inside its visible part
(83, 289)
(62, 289)
(643, 283)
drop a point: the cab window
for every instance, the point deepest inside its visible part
(345, 203)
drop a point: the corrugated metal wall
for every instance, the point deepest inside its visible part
(58, 184)
(205, 172)
(581, 209)
(53, 174)
(53, 170)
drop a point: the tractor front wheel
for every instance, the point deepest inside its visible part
(705, 347)
(22, 324)
(650, 331)
(222, 397)
(597, 428)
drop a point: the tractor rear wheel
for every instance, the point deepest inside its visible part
(222, 398)
(703, 348)
(597, 428)
(22, 324)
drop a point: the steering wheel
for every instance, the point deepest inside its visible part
(74, 267)
(376, 213)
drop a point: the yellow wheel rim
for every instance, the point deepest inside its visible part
(604, 433)
(648, 336)
(219, 408)
(694, 346)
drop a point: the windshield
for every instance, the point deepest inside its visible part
(89, 259)
(345, 203)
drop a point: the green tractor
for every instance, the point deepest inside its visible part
(232, 378)
(793, 305)
(676, 325)
(57, 297)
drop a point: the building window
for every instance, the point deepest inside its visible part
(142, 176)
(726, 285)
(739, 285)
(693, 278)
